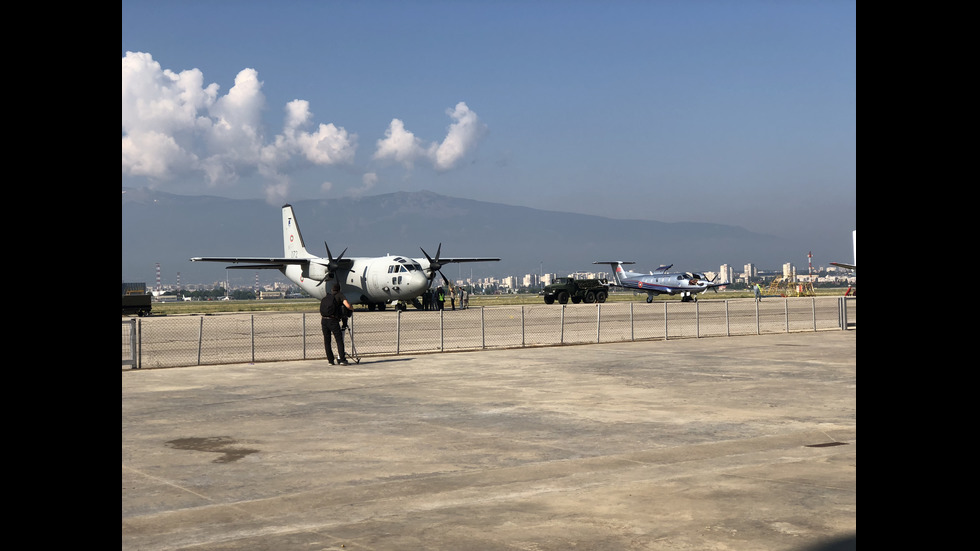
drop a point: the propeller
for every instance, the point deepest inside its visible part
(434, 264)
(332, 263)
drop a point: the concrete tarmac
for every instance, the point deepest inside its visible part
(726, 443)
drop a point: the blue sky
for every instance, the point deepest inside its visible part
(740, 113)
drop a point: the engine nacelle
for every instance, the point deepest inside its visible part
(316, 272)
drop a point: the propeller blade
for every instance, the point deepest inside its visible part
(332, 263)
(434, 264)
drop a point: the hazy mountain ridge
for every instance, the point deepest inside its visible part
(169, 229)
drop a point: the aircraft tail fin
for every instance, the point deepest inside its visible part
(854, 237)
(292, 239)
(617, 269)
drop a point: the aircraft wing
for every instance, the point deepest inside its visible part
(251, 262)
(842, 265)
(466, 259)
(641, 285)
(650, 287)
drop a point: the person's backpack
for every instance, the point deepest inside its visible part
(330, 307)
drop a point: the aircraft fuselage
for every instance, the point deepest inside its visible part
(377, 280)
(686, 284)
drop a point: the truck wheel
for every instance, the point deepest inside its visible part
(589, 297)
(550, 299)
(600, 297)
(563, 297)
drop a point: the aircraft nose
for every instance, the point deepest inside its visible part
(419, 281)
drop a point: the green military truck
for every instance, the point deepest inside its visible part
(576, 290)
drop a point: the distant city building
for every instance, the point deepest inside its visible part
(726, 273)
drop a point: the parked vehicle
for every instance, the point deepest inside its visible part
(576, 290)
(135, 300)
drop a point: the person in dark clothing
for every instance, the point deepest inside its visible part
(331, 317)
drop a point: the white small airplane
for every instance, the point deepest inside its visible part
(373, 281)
(659, 282)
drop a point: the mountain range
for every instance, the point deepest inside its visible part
(169, 229)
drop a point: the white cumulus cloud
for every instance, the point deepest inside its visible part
(402, 146)
(175, 126)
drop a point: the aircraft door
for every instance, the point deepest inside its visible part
(379, 282)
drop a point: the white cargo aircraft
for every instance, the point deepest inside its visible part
(659, 282)
(373, 281)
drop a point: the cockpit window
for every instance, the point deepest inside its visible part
(406, 265)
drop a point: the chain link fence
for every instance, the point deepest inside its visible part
(270, 337)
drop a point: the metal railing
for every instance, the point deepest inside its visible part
(270, 336)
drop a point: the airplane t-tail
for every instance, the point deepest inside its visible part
(373, 281)
(854, 237)
(660, 282)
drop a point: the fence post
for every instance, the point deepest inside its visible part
(483, 326)
(758, 328)
(252, 335)
(665, 320)
(632, 335)
(522, 327)
(786, 312)
(139, 346)
(813, 307)
(398, 331)
(561, 324)
(842, 312)
(303, 321)
(598, 321)
(728, 325)
(200, 337)
(697, 319)
(132, 343)
(442, 333)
